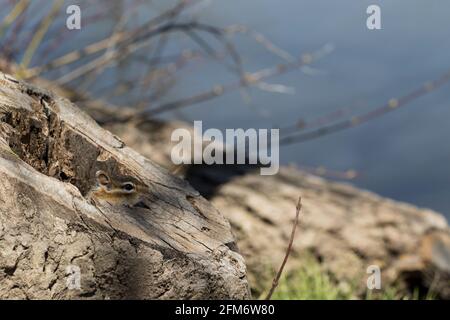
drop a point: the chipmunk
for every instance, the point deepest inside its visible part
(115, 192)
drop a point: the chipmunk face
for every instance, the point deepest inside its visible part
(115, 192)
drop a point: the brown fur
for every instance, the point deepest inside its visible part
(113, 191)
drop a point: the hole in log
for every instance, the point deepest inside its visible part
(46, 143)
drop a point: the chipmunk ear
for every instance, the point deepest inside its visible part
(102, 178)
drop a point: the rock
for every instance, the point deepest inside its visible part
(429, 266)
(435, 250)
(177, 247)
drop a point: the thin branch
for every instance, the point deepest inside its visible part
(322, 120)
(127, 48)
(261, 40)
(250, 79)
(101, 45)
(40, 33)
(329, 173)
(391, 105)
(19, 8)
(288, 251)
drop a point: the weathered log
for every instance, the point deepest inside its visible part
(176, 246)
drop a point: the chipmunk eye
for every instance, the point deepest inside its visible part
(128, 186)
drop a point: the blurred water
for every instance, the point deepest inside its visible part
(404, 155)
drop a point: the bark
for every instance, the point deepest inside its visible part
(175, 247)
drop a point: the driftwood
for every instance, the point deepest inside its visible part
(177, 246)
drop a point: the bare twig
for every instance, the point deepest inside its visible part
(12, 16)
(262, 40)
(131, 46)
(330, 173)
(103, 44)
(288, 251)
(250, 79)
(391, 105)
(40, 34)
